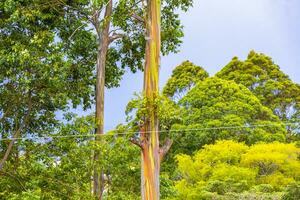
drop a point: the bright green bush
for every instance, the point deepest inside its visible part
(229, 167)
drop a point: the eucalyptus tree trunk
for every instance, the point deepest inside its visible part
(103, 37)
(149, 131)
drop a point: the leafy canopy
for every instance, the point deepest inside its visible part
(183, 78)
(264, 78)
(81, 27)
(36, 80)
(219, 109)
(61, 168)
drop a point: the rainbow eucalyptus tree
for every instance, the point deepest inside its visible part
(152, 153)
(149, 131)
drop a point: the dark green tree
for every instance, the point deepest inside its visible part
(183, 78)
(61, 167)
(264, 78)
(34, 75)
(219, 109)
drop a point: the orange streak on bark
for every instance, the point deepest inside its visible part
(150, 152)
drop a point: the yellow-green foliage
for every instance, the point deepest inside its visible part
(232, 167)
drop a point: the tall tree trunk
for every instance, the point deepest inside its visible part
(149, 132)
(17, 132)
(10, 147)
(103, 36)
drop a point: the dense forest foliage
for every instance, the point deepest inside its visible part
(228, 144)
(232, 135)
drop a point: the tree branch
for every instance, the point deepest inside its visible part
(17, 133)
(83, 14)
(14, 177)
(4, 115)
(137, 142)
(165, 148)
(114, 37)
(138, 18)
(75, 31)
(9, 148)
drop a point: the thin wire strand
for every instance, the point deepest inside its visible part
(135, 132)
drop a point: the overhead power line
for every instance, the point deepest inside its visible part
(135, 132)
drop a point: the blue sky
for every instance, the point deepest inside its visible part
(216, 31)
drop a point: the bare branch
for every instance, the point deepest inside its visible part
(138, 18)
(17, 133)
(114, 30)
(137, 142)
(75, 31)
(115, 36)
(165, 148)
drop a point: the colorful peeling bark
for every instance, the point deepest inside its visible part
(149, 132)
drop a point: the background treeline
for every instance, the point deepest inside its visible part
(235, 135)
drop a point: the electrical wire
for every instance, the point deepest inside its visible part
(135, 132)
